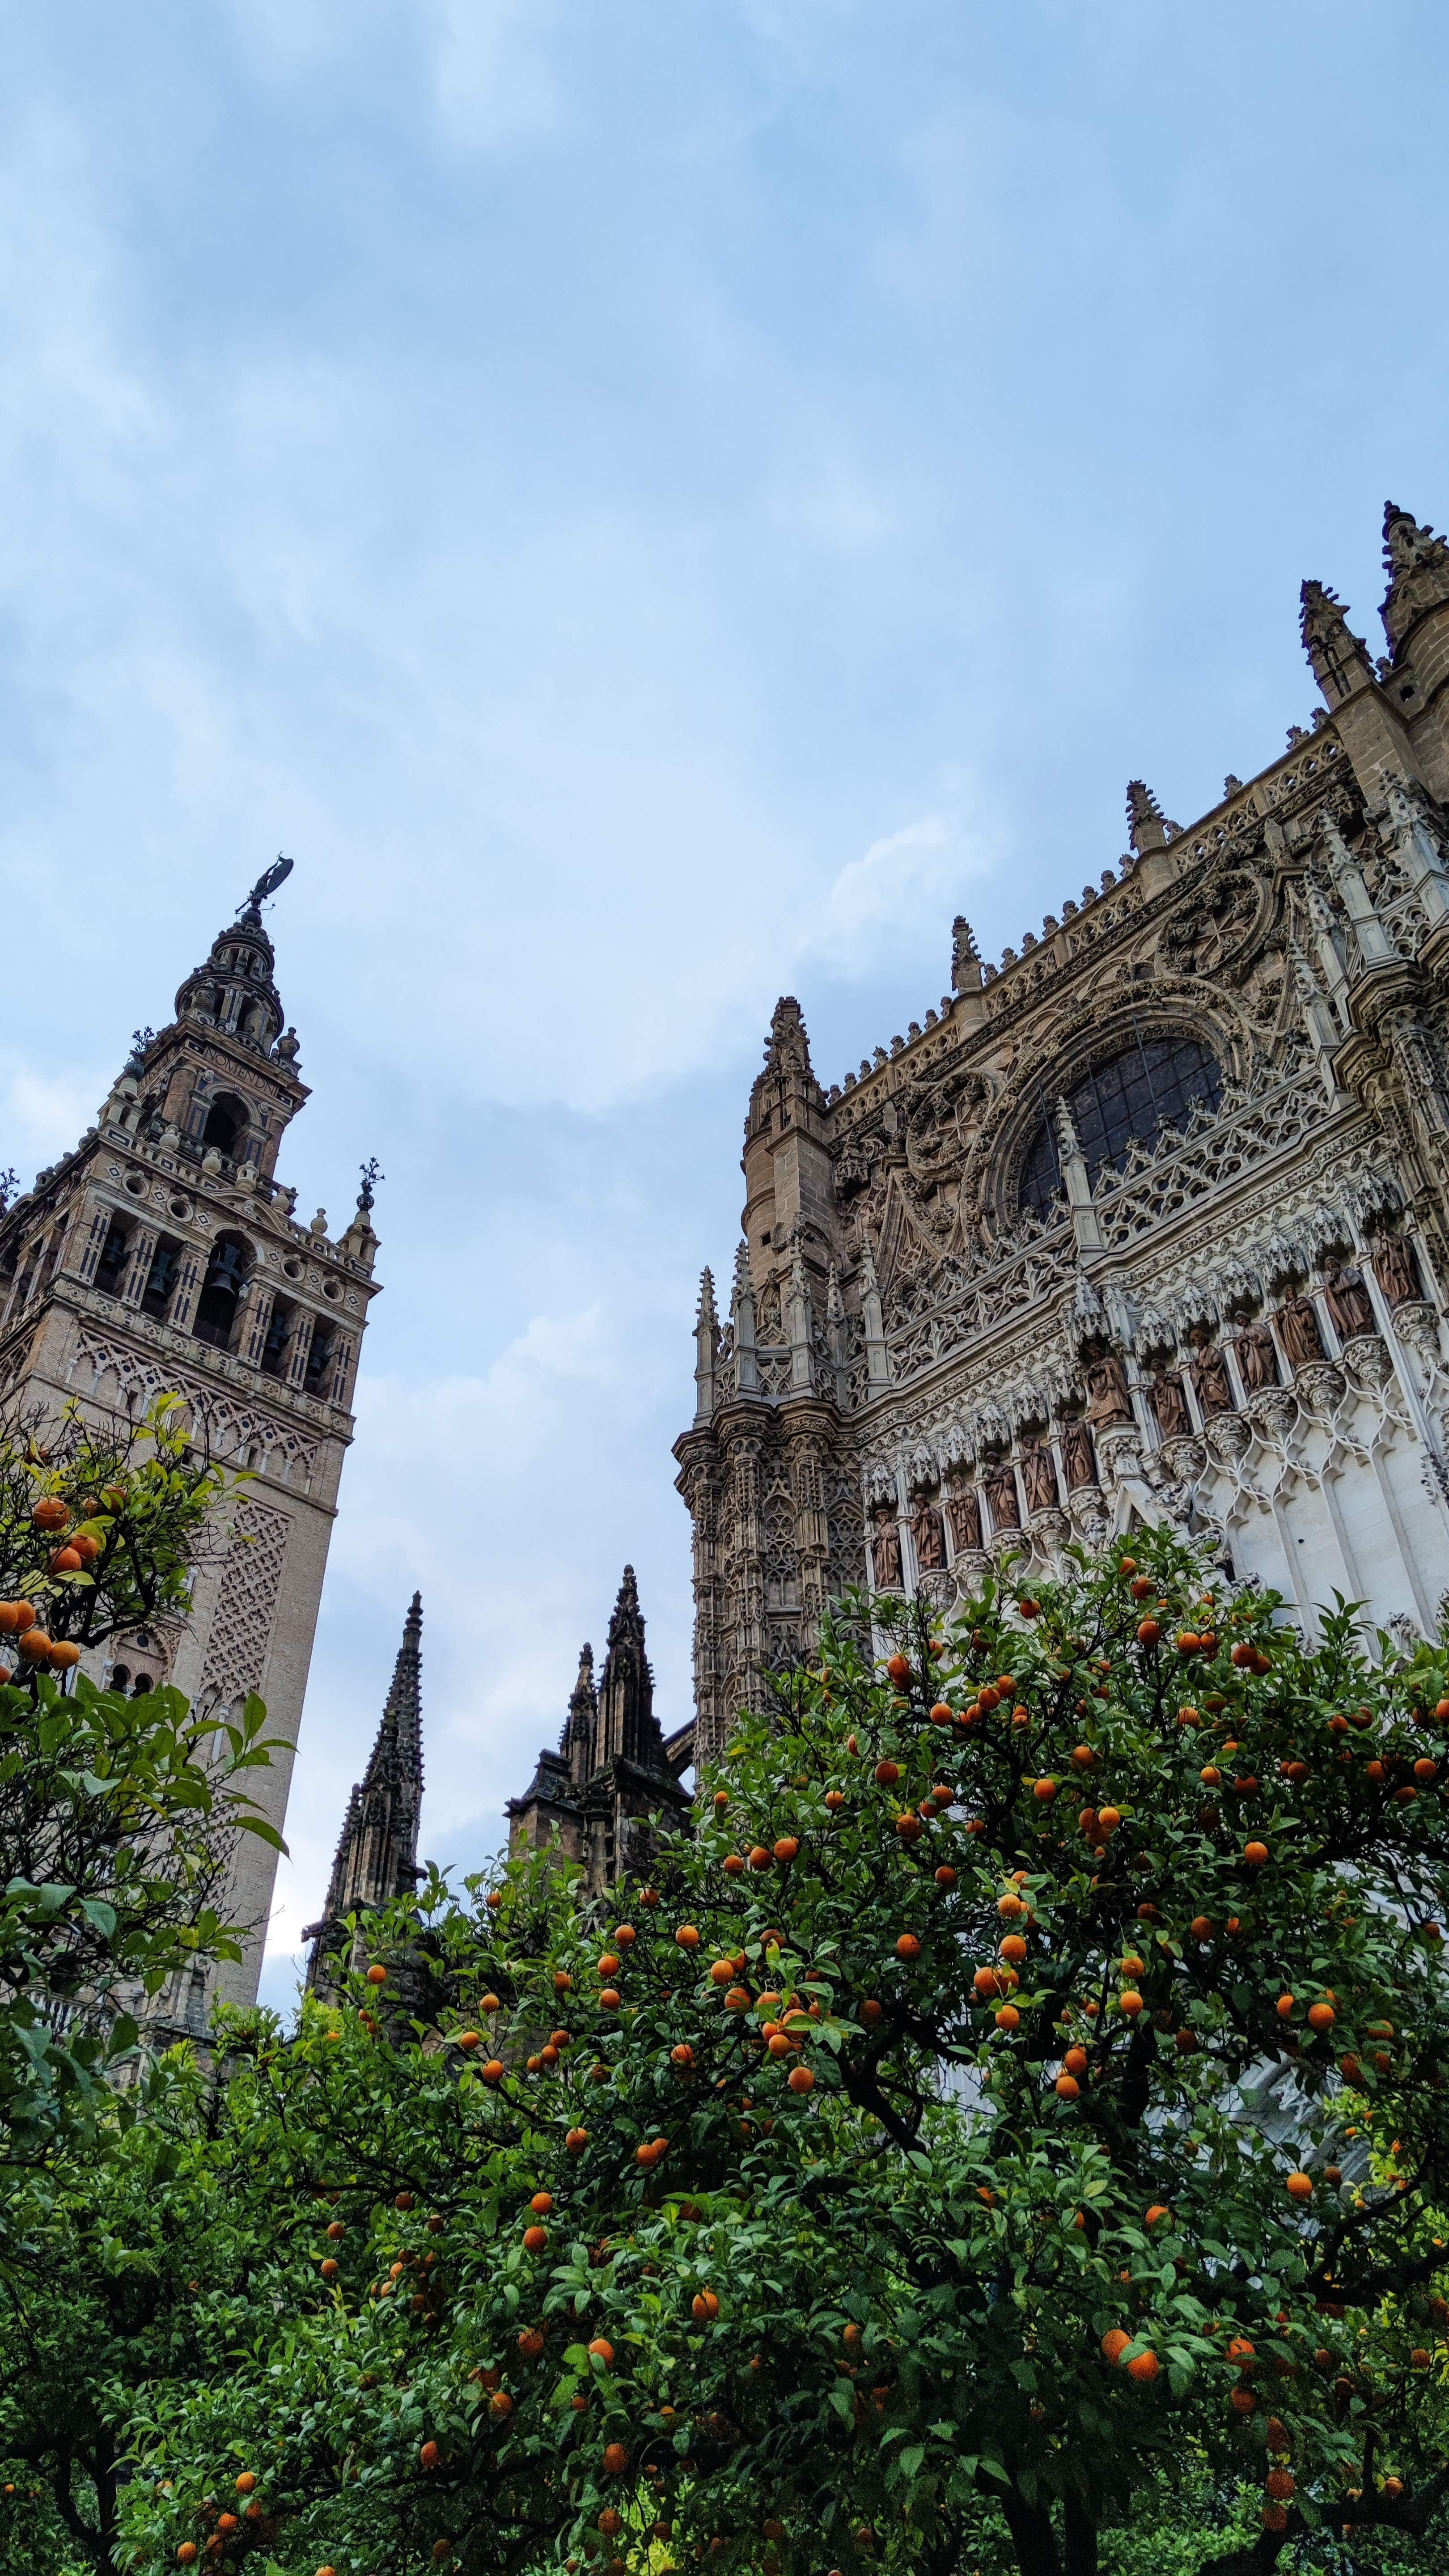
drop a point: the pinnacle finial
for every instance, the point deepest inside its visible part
(743, 1281)
(1146, 825)
(706, 1313)
(372, 1172)
(1339, 657)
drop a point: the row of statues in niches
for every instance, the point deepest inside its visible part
(1292, 1335)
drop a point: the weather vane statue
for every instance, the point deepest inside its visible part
(266, 885)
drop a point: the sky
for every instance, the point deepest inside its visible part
(653, 504)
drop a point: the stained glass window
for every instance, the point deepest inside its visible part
(1133, 1094)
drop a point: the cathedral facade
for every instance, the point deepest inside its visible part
(1144, 1224)
(163, 1254)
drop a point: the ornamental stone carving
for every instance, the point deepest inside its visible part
(928, 1538)
(885, 1548)
(1205, 1112)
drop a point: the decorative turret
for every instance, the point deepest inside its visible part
(966, 968)
(1147, 826)
(377, 1855)
(628, 1728)
(1417, 563)
(1340, 658)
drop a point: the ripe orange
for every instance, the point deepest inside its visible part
(541, 2203)
(1320, 2016)
(898, 1668)
(377, 1976)
(887, 1774)
(801, 2080)
(245, 2482)
(1256, 1854)
(602, 2350)
(786, 1849)
(1284, 2007)
(759, 1857)
(704, 2305)
(687, 1937)
(330, 2268)
(908, 1947)
(576, 2141)
(609, 1965)
(470, 2039)
(493, 2071)
(1280, 2484)
(337, 2229)
(609, 1999)
(500, 2404)
(734, 1867)
(1131, 2003)
(186, 2552)
(35, 1646)
(1014, 1948)
(1007, 2017)
(50, 1513)
(534, 2239)
(1143, 2366)
(1068, 2087)
(616, 2459)
(429, 2455)
(1114, 2344)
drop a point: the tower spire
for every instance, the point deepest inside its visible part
(377, 1853)
(1340, 658)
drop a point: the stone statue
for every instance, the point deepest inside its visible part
(886, 1551)
(1297, 1321)
(1170, 1406)
(928, 1536)
(1396, 1270)
(1209, 1373)
(1107, 1398)
(1078, 1457)
(1257, 1354)
(964, 1507)
(1001, 1494)
(1039, 1470)
(1349, 1302)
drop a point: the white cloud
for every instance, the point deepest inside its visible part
(492, 74)
(878, 902)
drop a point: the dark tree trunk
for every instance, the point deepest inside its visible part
(1079, 2533)
(1031, 2531)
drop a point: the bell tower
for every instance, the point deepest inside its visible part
(163, 1254)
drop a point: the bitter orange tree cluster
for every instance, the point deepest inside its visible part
(891, 2166)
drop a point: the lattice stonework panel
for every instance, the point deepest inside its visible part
(241, 1629)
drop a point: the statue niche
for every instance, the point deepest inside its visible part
(1349, 1302)
(928, 1537)
(1078, 1456)
(1209, 1374)
(885, 1550)
(1396, 1270)
(1297, 1321)
(1002, 1495)
(963, 1508)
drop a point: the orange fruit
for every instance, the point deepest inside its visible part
(429, 2455)
(1115, 2344)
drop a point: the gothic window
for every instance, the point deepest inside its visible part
(226, 1124)
(161, 1277)
(112, 1262)
(279, 1339)
(220, 1290)
(1133, 1094)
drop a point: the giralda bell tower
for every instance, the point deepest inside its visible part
(163, 1253)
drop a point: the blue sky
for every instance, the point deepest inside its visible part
(654, 503)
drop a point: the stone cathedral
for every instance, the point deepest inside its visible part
(163, 1253)
(1145, 1224)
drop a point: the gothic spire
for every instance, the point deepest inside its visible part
(628, 1727)
(581, 1724)
(1147, 826)
(1417, 563)
(377, 1852)
(1340, 658)
(787, 1048)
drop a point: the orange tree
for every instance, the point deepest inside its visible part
(117, 1817)
(891, 2161)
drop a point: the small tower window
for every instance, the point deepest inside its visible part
(226, 1124)
(220, 1291)
(112, 1263)
(161, 1277)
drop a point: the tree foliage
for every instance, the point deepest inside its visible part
(118, 1817)
(894, 2171)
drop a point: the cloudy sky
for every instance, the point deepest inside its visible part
(654, 504)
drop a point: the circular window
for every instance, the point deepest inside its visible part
(135, 1182)
(180, 1208)
(293, 1269)
(1130, 1096)
(331, 1289)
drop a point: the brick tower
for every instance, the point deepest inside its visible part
(162, 1254)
